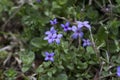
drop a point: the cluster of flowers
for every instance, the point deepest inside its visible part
(53, 36)
(78, 31)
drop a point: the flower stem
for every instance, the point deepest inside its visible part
(93, 43)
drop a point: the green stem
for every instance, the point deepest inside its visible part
(107, 75)
(93, 43)
(95, 49)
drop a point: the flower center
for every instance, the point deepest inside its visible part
(78, 31)
(49, 56)
(66, 27)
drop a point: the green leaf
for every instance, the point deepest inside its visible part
(70, 66)
(10, 73)
(49, 74)
(40, 69)
(61, 2)
(90, 49)
(45, 77)
(117, 45)
(102, 34)
(55, 5)
(27, 58)
(92, 13)
(25, 68)
(36, 42)
(61, 67)
(61, 77)
(118, 1)
(112, 46)
(117, 59)
(46, 64)
(65, 46)
(3, 54)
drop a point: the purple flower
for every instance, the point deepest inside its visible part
(38, 0)
(86, 42)
(107, 9)
(52, 31)
(84, 24)
(53, 37)
(66, 26)
(118, 71)
(49, 38)
(49, 56)
(77, 32)
(57, 38)
(53, 22)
